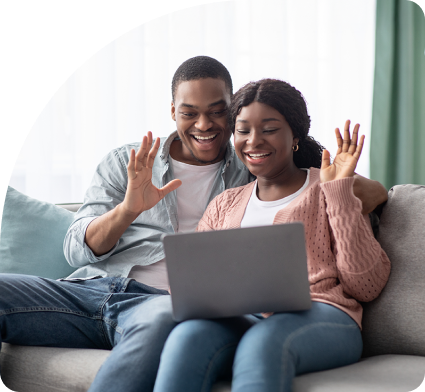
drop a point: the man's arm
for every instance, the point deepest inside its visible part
(371, 193)
(103, 232)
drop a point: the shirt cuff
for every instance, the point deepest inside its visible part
(81, 228)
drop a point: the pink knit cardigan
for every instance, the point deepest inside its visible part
(345, 262)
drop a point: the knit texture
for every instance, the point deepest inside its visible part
(345, 262)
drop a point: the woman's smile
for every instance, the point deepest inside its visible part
(264, 140)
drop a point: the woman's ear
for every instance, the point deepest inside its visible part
(295, 141)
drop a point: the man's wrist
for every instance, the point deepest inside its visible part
(124, 215)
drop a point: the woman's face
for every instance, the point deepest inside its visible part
(264, 140)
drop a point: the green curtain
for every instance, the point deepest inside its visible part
(397, 151)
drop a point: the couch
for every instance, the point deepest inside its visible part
(393, 324)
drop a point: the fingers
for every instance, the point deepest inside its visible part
(139, 164)
(349, 143)
(147, 153)
(338, 140)
(359, 148)
(142, 154)
(326, 159)
(171, 186)
(131, 166)
(152, 153)
(353, 143)
(346, 141)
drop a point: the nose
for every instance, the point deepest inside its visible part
(254, 138)
(204, 123)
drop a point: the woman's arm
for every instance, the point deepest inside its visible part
(363, 267)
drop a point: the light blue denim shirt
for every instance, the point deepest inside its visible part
(141, 243)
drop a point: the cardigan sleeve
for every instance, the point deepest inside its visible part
(363, 266)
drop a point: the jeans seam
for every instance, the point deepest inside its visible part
(104, 321)
(295, 334)
(227, 346)
(47, 309)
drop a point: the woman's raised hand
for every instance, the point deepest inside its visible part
(141, 194)
(346, 158)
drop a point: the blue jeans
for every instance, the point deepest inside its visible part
(266, 354)
(106, 313)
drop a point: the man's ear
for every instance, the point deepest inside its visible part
(173, 111)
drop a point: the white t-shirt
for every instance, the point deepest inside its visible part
(262, 213)
(193, 194)
(192, 199)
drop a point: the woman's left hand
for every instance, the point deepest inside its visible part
(346, 158)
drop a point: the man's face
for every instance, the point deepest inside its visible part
(200, 112)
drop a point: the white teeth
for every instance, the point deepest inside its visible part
(204, 137)
(257, 156)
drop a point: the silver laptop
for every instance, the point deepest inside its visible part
(239, 271)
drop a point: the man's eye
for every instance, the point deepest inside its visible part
(187, 114)
(219, 112)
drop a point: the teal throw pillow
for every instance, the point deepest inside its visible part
(31, 237)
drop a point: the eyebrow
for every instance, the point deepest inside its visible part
(219, 102)
(263, 120)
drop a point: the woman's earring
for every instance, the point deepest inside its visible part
(295, 148)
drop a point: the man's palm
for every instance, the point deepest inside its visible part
(141, 194)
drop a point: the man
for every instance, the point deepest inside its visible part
(118, 297)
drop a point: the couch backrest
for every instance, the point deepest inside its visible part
(394, 323)
(73, 207)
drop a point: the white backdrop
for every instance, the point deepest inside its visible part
(325, 48)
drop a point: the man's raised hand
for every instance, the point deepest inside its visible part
(141, 194)
(347, 155)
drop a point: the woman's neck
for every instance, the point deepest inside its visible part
(288, 182)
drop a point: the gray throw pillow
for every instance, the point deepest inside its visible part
(31, 238)
(394, 323)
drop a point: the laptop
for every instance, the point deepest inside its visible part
(237, 271)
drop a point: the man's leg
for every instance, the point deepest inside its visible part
(277, 349)
(43, 312)
(139, 322)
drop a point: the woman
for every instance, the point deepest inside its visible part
(345, 263)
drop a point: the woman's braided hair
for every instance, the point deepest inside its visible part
(290, 103)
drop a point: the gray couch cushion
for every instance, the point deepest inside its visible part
(49, 369)
(395, 322)
(384, 373)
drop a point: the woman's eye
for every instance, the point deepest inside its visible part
(269, 130)
(242, 131)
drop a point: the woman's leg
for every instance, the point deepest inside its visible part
(198, 352)
(277, 349)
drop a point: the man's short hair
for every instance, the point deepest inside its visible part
(201, 67)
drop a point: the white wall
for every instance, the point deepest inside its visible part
(325, 48)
